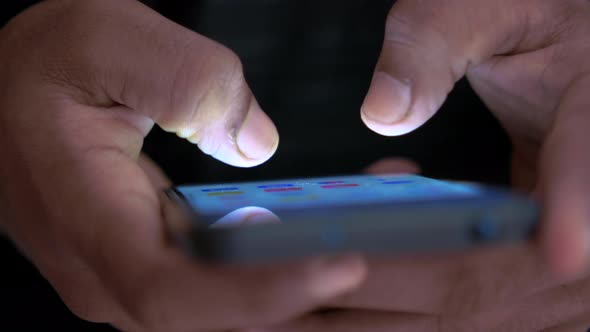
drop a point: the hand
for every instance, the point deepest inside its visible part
(528, 60)
(82, 83)
(497, 289)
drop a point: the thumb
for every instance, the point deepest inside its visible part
(186, 83)
(429, 45)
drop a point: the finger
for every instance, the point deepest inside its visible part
(358, 321)
(93, 202)
(162, 289)
(565, 180)
(229, 299)
(558, 305)
(393, 166)
(581, 325)
(188, 84)
(569, 306)
(116, 229)
(451, 284)
(178, 294)
(429, 45)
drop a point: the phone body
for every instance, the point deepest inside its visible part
(374, 215)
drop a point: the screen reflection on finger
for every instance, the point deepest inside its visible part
(247, 216)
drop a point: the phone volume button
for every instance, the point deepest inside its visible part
(332, 236)
(485, 229)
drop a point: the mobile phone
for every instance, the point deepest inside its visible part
(373, 215)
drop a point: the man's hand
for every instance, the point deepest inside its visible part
(495, 289)
(528, 60)
(81, 84)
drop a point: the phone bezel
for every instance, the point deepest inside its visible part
(445, 224)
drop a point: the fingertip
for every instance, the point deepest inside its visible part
(567, 247)
(337, 275)
(388, 100)
(385, 129)
(257, 140)
(253, 143)
(387, 106)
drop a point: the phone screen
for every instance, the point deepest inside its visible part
(234, 202)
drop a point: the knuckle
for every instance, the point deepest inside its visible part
(86, 301)
(465, 294)
(83, 308)
(89, 8)
(232, 85)
(452, 324)
(58, 54)
(426, 41)
(261, 309)
(222, 71)
(416, 29)
(399, 30)
(227, 63)
(142, 315)
(475, 289)
(267, 306)
(209, 142)
(238, 96)
(77, 14)
(219, 97)
(147, 313)
(567, 18)
(232, 62)
(229, 76)
(78, 7)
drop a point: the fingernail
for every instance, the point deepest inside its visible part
(388, 100)
(338, 275)
(257, 138)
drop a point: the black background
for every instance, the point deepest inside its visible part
(309, 63)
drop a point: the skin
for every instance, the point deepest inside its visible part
(83, 82)
(529, 64)
(82, 85)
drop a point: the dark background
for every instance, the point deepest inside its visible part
(309, 63)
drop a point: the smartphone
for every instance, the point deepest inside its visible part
(373, 215)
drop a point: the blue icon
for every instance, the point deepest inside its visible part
(215, 190)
